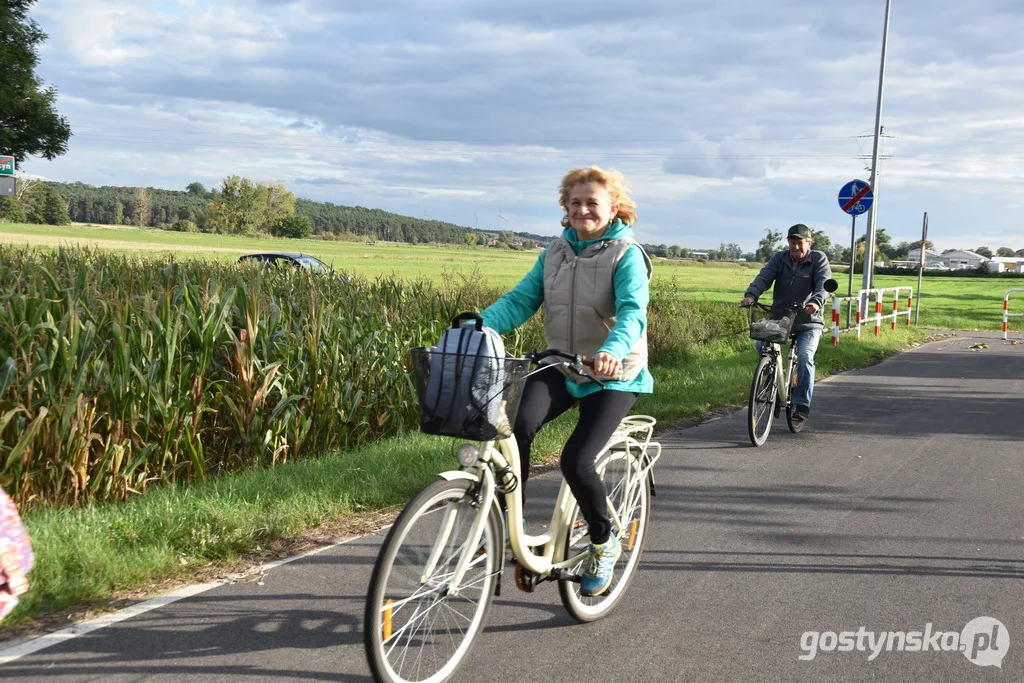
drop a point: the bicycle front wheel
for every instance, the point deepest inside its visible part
(629, 496)
(763, 396)
(417, 625)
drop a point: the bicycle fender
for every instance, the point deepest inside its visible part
(453, 475)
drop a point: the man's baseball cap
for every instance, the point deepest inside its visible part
(800, 230)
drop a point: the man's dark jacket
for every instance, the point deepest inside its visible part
(793, 282)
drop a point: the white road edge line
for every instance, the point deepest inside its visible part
(29, 646)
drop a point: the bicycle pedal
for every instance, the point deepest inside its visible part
(525, 579)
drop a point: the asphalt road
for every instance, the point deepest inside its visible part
(898, 510)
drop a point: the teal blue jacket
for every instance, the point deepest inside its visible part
(632, 294)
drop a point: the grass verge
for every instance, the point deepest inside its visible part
(97, 558)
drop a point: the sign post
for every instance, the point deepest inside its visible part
(920, 268)
(8, 185)
(855, 197)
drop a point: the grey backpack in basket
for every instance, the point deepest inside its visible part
(463, 395)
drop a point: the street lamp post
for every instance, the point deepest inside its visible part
(869, 241)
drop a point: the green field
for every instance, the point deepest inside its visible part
(962, 303)
(437, 264)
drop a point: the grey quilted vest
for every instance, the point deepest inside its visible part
(579, 301)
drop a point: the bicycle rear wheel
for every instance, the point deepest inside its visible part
(416, 628)
(630, 498)
(794, 425)
(763, 396)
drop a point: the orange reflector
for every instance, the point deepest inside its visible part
(632, 535)
(387, 619)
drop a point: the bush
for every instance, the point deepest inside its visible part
(11, 211)
(43, 205)
(184, 225)
(676, 325)
(294, 226)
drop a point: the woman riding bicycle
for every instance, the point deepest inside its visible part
(594, 284)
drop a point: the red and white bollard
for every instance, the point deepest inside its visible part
(1006, 309)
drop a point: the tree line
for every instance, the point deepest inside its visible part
(885, 250)
(244, 207)
(236, 206)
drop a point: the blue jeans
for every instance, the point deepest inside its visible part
(806, 347)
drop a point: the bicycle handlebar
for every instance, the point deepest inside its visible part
(830, 286)
(574, 361)
(572, 358)
(757, 304)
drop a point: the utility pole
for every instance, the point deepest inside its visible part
(869, 242)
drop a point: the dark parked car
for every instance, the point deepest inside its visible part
(281, 259)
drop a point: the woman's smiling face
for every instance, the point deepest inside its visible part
(591, 209)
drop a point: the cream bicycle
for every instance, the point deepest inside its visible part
(442, 561)
(773, 382)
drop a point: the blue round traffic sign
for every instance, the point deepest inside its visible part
(855, 198)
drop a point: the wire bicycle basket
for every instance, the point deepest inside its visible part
(467, 396)
(772, 330)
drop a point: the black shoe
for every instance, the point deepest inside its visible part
(800, 413)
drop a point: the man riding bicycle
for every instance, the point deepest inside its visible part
(797, 272)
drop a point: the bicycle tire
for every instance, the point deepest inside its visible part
(633, 507)
(795, 426)
(414, 629)
(763, 398)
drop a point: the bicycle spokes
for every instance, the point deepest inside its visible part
(627, 480)
(431, 585)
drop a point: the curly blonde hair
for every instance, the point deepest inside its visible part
(611, 180)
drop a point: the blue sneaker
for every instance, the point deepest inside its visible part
(600, 567)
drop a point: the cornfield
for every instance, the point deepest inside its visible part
(118, 372)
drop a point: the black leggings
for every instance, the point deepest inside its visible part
(545, 398)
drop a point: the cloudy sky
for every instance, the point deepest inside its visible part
(727, 117)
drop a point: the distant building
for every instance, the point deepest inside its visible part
(914, 257)
(957, 260)
(954, 260)
(1006, 264)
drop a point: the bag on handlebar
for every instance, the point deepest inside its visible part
(463, 393)
(772, 330)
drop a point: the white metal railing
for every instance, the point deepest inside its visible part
(1006, 309)
(862, 301)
